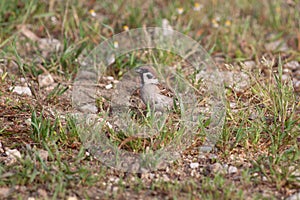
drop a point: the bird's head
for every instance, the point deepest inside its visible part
(148, 75)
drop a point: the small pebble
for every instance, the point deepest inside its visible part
(72, 198)
(13, 152)
(292, 65)
(45, 80)
(28, 122)
(295, 196)
(277, 45)
(250, 64)
(89, 108)
(4, 192)
(110, 78)
(43, 154)
(21, 90)
(115, 189)
(109, 86)
(213, 156)
(42, 193)
(194, 165)
(165, 178)
(217, 168)
(285, 77)
(111, 59)
(49, 44)
(297, 84)
(286, 71)
(232, 170)
(22, 80)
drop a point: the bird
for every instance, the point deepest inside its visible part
(152, 92)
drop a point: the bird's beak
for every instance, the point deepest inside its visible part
(138, 70)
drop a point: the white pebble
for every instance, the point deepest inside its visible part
(13, 153)
(109, 86)
(250, 64)
(232, 170)
(72, 198)
(21, 90)
(292, 65)
(45, 80)
(194, 165)
(285, 77)
(110, 78)
(295, 196)
(28, 122)
(22, 80)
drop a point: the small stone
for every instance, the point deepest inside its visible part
(194, 165)
(292, 65)
(110, 59)
(165, 178)
(28, 122)
(255, 174)
(45, 80)
(286, 71)
(12, 156)
(205, 148)
(277, 45)
(1, 148)
(4, 192)
(167, 28)
(297, 74)
(225, 166)
(297, 85)
(89, 108)
(238, 81)
(250, 64)
(213, 156)
(72, 198)
(49, 44)
(232, 170)
(109, 78)
(253, 115)
(285, 77)
(109, 86)
(294, 171)
(193, 172)
(20, 90)
(42, 193)
(295, 196)
(31, 198)
(201, 156)
(232, 105)
(111, 179)
(217, 168)
(151, 175)
(115, 189)
(43, 154)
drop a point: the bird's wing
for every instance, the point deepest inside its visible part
(163, 90)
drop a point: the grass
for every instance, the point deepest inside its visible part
(260, 135)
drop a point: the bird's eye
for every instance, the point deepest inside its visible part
(149, 76)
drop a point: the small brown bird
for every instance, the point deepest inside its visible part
(154, 94)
